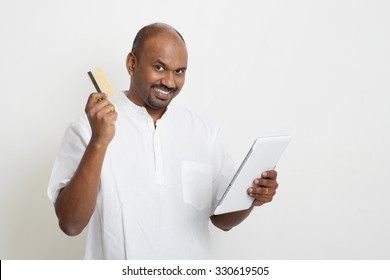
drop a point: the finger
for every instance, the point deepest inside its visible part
(259, 200)
(101, 108)
(113, 116)
(94, 98)
(269, 174)
(255, 192)
(261, 197)
(108, 118)
(267, 183)
(98, 110)
(109, 108)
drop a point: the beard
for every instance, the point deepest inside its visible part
(160, 97)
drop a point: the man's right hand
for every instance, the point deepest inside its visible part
(77, 201)
(102, 116)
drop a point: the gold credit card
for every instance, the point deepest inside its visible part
(100, 81)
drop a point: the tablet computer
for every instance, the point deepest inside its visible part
(262, 156)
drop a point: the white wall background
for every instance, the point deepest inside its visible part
(318, 70)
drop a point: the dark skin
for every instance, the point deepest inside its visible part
(157, 72)
(262, 190)
(157, 76)
(76, 202)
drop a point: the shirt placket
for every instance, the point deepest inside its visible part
(155, 133)
(158, 162)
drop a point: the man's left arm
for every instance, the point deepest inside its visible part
(263, 191)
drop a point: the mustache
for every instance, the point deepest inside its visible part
(164, 88)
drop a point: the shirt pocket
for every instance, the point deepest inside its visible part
(197, 181)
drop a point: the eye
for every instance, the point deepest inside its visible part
(180, 71)
(159, 68)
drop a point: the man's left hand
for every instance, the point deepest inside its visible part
(264, 188)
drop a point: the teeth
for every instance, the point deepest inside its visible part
(161, 91)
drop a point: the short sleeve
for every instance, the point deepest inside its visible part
(72, 148)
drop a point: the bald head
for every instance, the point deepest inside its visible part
(151, 31)
(157, 65)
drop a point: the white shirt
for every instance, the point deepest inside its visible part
(158, 186)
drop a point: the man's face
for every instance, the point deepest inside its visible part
(159, 71)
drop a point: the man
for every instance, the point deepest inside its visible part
(143, 174)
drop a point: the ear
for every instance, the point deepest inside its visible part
(130, 63)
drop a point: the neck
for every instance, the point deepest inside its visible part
(155, 114)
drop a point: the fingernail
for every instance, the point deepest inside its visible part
(256, 181)
(264, 174)
(250, 190)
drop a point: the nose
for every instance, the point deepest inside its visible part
(169, 79)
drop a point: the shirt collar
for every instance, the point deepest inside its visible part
(135, 109)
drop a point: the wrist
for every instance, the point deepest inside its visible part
(98, 144)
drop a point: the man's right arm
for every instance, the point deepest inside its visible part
(76, 202)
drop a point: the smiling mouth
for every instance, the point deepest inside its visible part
(163, 93)
(166, 92)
